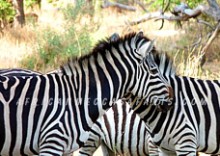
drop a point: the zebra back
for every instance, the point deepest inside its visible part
(24, 72)
(18, 72)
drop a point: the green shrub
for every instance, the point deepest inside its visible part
(7, 12)
(56, 47)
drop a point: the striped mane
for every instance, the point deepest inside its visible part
(101, 48)
(165, 63)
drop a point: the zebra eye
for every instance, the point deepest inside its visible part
(153, 70)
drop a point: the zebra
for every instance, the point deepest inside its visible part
(193, 122)
(99, 133)
(51, 114)
(182, 112)
(24, 72)
(18, 72)
(104, 130)
(119, 131)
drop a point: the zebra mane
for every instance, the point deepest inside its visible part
(165, 63)
(101, 48)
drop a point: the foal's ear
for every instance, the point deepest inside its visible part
(114, 37)
(146, 48)
(140, 34)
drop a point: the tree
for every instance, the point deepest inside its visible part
(20, 17)
(6, 14)
(183, 12)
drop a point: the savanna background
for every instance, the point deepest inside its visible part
(54, 30)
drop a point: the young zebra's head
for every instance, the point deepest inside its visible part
(149, 83)
(126, 66)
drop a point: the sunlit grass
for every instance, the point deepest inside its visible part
(52, 33)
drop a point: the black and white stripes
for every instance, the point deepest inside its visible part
(52, 114)
(193, 124)
(119, 131)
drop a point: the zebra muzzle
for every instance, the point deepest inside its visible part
(170, 92)
(164, 106)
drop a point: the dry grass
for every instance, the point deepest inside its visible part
(15, 44)
(19, 42)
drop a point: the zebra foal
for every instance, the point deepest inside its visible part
(119, 132)
(52, 114)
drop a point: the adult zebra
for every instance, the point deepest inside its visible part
(118, 122)
(119, 132)
(52, 114)
(193, 122)
(18, 72)
(24, 72)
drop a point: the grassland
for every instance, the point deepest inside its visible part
(61, 33)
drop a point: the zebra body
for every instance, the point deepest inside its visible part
(194, 121)
(18, 72)
(120, 131)
(52, 114)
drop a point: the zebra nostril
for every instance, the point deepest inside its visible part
(170, 92)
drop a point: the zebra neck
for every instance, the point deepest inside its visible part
(97, 82)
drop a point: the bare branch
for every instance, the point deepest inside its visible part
(141, 5)
(107, 4)
(145, 18)
(184, 10)
(197, 43)
(181, 13)
(211, 39)
(214, 10)
(206, 23)
(208, 44)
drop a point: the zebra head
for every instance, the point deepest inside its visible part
(151, 83)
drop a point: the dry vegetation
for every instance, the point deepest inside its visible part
(19, 43)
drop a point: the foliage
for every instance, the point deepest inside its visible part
(30, 3)
(159, 3)
(7, 12)
(56, 47)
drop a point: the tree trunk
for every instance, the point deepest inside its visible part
(20, 17)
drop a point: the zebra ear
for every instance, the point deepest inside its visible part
(146, 48)
(140, 34)
(114, 37)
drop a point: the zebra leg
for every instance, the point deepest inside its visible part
(152, 148)
(92, 144)
(51, 148)
(186, 149)
(69, 154)
(166, 153)
(106, 151)
(48, 152)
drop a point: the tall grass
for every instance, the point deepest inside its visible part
(55, 47)
(188, 63)
(73, 30)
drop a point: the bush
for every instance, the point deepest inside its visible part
(56, 47)
(7, 12)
